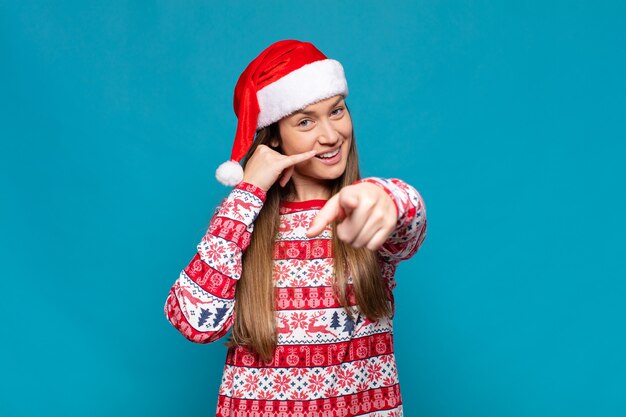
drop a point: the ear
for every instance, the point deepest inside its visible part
(274, 143)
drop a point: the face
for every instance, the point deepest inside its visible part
(325, 126)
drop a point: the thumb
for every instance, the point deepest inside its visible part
(286, 175)
(349, 201)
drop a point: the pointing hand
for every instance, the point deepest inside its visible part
(366, 213)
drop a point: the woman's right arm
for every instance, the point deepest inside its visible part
(201, 302)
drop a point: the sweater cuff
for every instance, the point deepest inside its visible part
(251, 188)
(379, 183)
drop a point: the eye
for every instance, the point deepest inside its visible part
(338, 108)
(302, 125)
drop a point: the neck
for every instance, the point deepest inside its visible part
(308, 189)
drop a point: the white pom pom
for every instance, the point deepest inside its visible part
(229, 173)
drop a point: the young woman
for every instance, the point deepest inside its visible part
(299, 259)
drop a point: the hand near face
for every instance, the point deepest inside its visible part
(266, 165)
(366, 213)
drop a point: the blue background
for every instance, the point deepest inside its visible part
(508, 117)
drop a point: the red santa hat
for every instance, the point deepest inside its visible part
(287, 76)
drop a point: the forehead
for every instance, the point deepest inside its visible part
(319, 107)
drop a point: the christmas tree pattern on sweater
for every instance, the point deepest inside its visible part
(325, 364)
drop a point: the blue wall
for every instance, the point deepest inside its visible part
(508, 117)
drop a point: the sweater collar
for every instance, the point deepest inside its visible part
(294, 206)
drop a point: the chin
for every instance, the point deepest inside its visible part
(336, 174)
(324, 172)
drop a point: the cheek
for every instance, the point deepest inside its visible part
(290, 149)
(347, 144)
(305, 167)
(346, 127)
(347, 133)
(298, 145)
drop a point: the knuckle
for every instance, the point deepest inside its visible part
(378, 216)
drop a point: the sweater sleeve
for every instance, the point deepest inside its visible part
(410, 230)
(201, 302)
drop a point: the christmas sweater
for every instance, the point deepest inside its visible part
(325, 363)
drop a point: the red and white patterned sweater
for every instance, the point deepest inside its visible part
(325, 364)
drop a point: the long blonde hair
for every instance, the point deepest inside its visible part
(255, 320)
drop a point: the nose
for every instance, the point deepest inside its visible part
(329, 134)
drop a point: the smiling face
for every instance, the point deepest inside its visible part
(325, 126)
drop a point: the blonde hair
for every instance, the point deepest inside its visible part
(255, 320)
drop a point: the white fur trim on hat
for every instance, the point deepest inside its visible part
(307, 85)
(229, 173)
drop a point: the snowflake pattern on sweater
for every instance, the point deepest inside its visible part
(325, 364)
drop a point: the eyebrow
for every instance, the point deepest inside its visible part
(309, 112)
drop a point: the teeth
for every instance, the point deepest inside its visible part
(329, 154)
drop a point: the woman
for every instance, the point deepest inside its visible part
(299, 258)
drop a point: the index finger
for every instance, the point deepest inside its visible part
(327, 214)
(297, 158)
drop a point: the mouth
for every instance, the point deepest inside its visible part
(329, 154)
(330, 157)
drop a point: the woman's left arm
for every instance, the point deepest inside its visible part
(410, 229)
(385, 215)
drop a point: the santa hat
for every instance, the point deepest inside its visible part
(287, 76)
